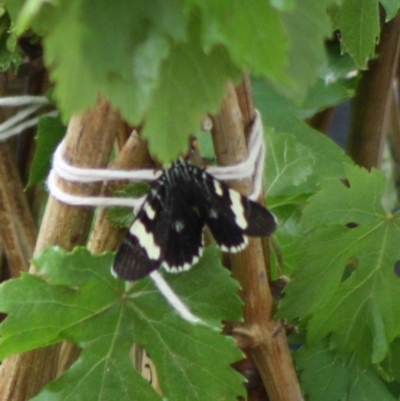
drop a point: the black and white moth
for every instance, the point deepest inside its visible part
(168, 229)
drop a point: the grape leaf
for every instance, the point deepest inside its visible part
(328, 376)
(285, 242)
(345, 283)
(49, 134)
(81, 302)
(107, 49)
(307, 26)
(120, 217)
(391, 8)
(358, 22)
(123, 216)
(191, 83)
(28, 13)
(154, 61)
(251, 32)
(390, 366)
(333, 85)
(283, 115)
(289, 164)
(14, 7)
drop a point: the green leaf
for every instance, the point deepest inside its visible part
(133, 190)
(391, 8)
(289, 164)
(390, 366)
(14, 7)
(112, 49)
(333, 85)
(50, 133)
(345, 283)
(251, 32)
(28, 13)
(122, 217)
(284, 5)
(82, 302)
(358, 22)
(307, 26)
(283, 115)
(285, 242)
(144, 58)
(323, 93)
(328, 376)
(192, 82)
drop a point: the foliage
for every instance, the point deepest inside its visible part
(49, 134)
(164, 64)
(80, 301)
(169, 61)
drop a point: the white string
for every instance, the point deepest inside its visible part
(173, 299)
(16, 101)
(17, 129)
(97, 201)
(253, 166)
(18, 122)
(86, 175)
(21, 115)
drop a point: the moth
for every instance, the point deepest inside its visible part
(168, 229)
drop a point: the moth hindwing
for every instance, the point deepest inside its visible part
(168, 229)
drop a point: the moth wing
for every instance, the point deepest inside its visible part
(183, 237)
(230, 216)
(141, 250)
(165, 231)
(261, 222)
(131, 261)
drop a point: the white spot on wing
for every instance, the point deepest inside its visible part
(238, 209)
(218, 188)
(236, 248)
(213, 213)
(146, 240)
(178, 226)
(186, 266)
(151, 213)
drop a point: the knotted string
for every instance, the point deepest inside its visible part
(253, 167)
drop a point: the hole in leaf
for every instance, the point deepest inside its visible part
(144, 364)
(397, 268)
(346, 183)
(350, 268)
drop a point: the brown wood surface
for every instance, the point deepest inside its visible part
(260, 334)
(371, 104)
(88, 143)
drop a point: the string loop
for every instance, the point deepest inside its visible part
(253, 167)
(19, 122)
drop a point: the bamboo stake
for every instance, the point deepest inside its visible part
(88, 143)
(263, 336)
(104, 236)
(372, 102)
